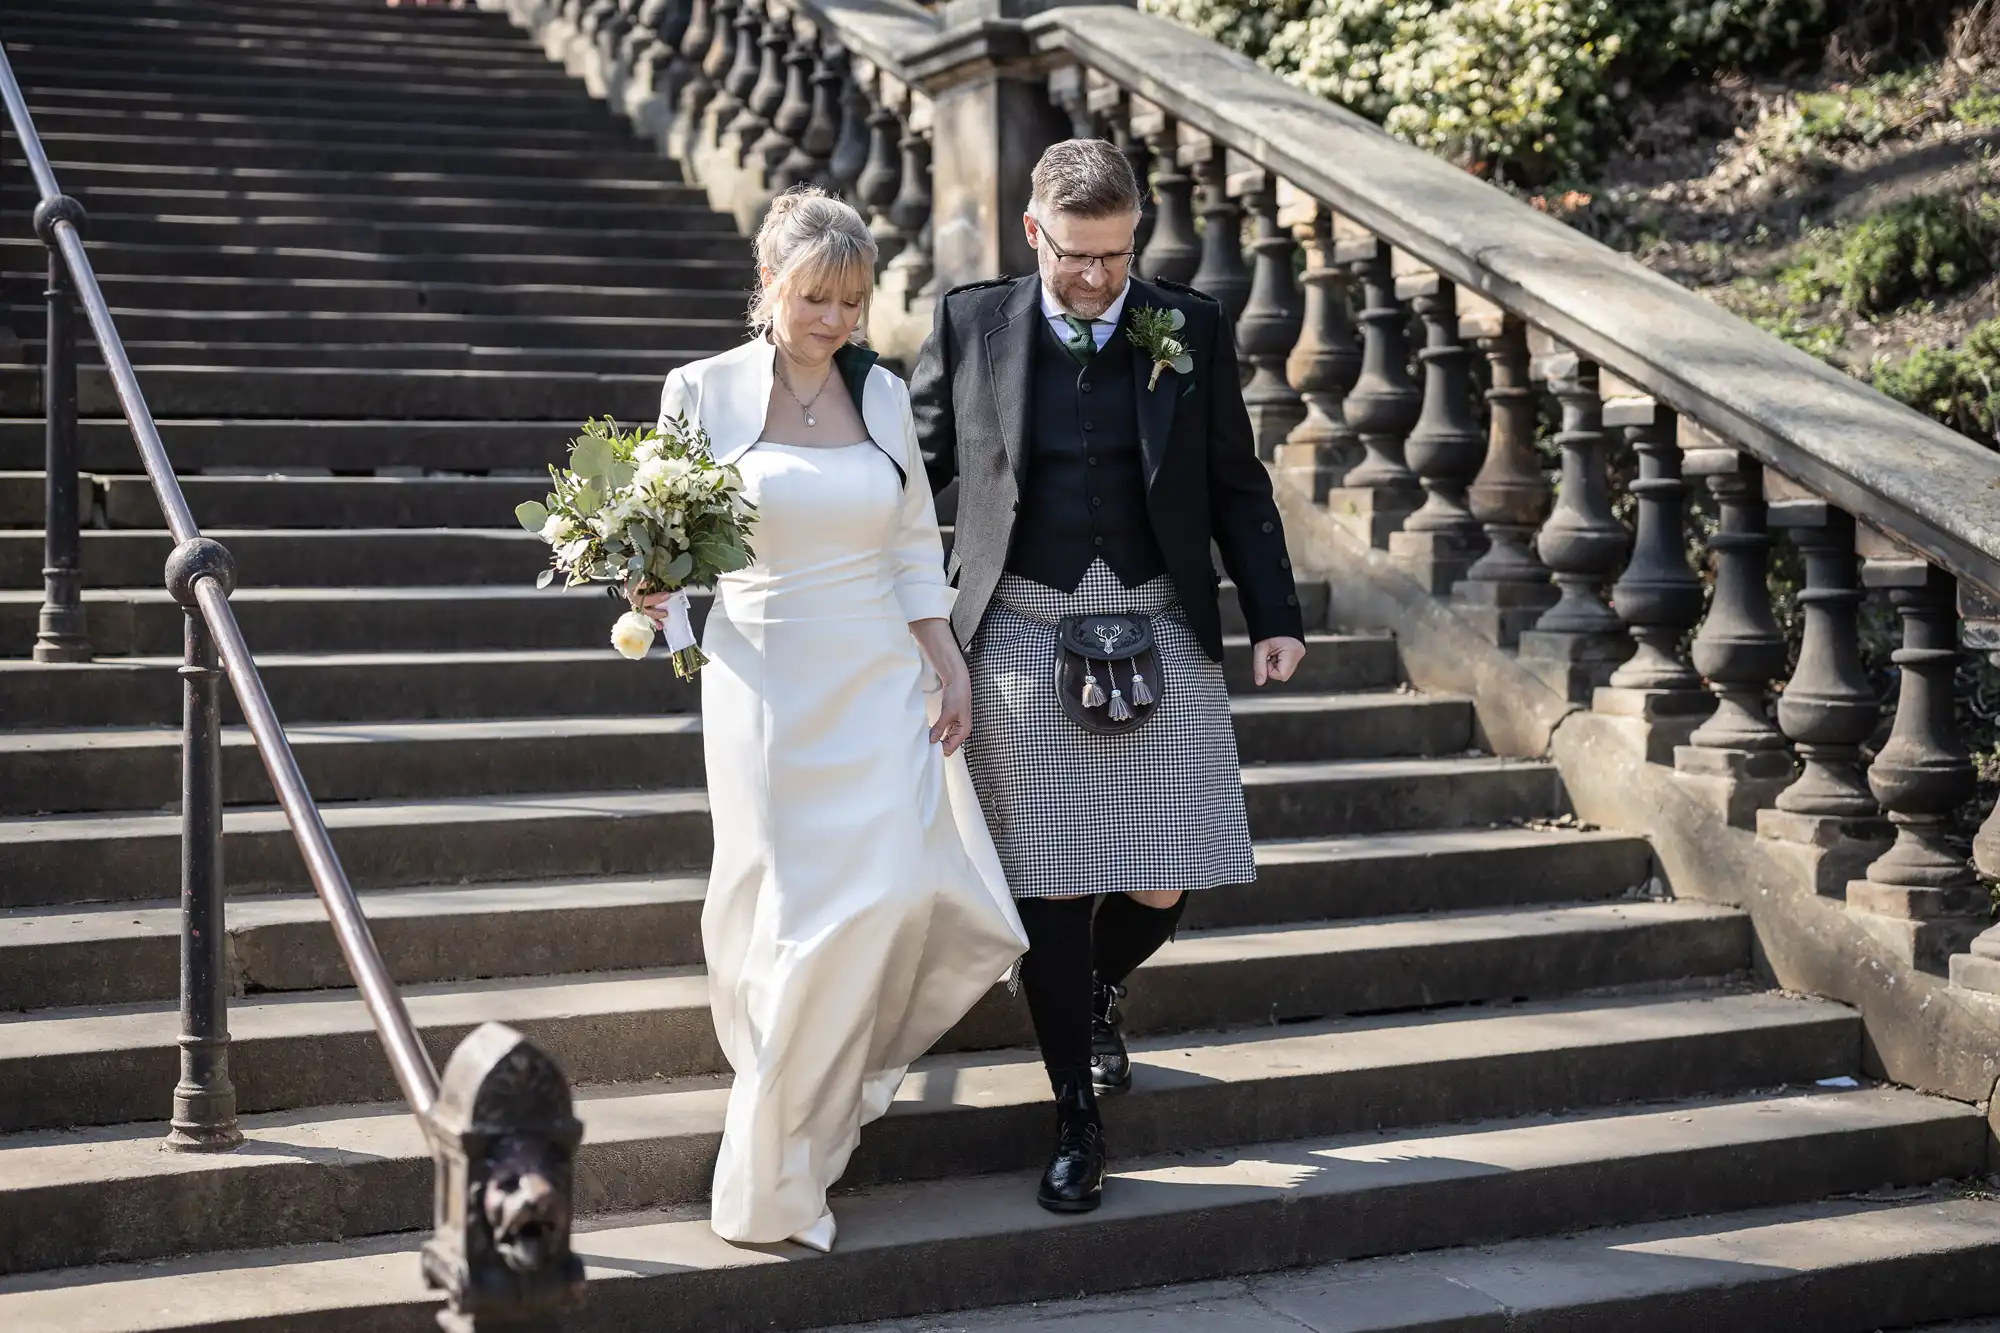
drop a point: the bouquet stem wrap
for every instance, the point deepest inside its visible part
(679, 633)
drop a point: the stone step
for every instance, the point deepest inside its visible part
(385, 843)
(155, 42)
(548, 395)
(141, 198)
(492, 261)
(659, 183)
(685, 235)
(397, 296)
(22, 501)
(918, 1248)
(116, 50)
(332, 329)
(68, 26)
(417, 93)
(104, 444)
(128, 952)
(146, 622)
(111, 1195)
(50, 93)
(1838, 1266)
(86, 770)
(109, 1064)
(328, 502)
(300, 557)
(387, 356)
(342, 13)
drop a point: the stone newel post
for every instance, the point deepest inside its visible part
(991, 119)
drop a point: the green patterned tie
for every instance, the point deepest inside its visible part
(1081, 342)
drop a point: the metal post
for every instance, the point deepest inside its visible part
(60, 634)
(204, 1099)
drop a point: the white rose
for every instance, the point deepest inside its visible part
(632, 636)
(557, 530)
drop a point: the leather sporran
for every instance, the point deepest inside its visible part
(1108, 672)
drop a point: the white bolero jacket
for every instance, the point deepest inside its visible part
(729, 395)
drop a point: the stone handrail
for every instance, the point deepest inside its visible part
(1932, 488)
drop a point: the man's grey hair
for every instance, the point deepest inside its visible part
(1085, 178)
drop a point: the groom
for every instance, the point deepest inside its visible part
(1093, 477)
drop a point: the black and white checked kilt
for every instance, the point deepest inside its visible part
(1074, 813)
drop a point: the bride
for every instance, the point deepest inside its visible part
(856, 908)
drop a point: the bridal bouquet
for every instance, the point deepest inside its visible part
(650, 512)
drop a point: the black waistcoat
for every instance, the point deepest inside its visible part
(1085, 495)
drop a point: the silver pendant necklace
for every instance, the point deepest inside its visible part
(805, 404)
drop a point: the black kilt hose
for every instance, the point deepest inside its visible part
(1075, 813)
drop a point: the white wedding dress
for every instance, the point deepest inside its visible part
(856, 907)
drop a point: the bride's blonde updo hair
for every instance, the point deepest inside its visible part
(810, 242)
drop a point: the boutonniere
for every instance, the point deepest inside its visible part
(1154, 332)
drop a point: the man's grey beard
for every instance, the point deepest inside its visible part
(1081, 301)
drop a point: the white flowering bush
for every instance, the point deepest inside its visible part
(652, 513)
(1516, 89)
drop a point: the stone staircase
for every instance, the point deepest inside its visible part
(373, 265)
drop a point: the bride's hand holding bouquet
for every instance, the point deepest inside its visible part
(652, 513)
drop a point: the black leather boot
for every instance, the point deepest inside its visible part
(1074, 1182)
(1110, 1066)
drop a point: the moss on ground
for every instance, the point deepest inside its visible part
(1920, 247)
(1959, 386)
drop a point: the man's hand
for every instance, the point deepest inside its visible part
(1276, 659)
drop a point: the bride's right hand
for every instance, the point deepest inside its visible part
(954, 724)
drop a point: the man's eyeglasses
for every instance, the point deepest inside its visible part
(1079, 264)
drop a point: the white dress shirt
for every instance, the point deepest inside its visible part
(1101, 328)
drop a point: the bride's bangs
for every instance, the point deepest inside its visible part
(837, 266)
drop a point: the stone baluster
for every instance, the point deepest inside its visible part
(1066, 90)
(881, 180)
(1373, 499)
(1739, 650)
(1269, 325)
(1979, 969)
(1577, 643)
(1136, 152)
(911, 212)
(1322, 367)
(1828, 708)
(708, 90)
(1508, 588)
(1223, 273)
(812, 147)
(850, 146)
(1174, 250)
(1438, 542)
(767, 38)
(794, 111)
(1658, 597)
(1921, 897)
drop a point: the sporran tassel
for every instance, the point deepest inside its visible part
(1093, 693)
(1142, 693)
(1118, 712)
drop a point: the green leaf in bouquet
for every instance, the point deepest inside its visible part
(679, 567)
(724, 557)
(588, 500)
(591, 456)
(532, 516)
(1184, 363)
(545, 578)
(619, 475)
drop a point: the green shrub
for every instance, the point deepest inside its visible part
(1521, 89)
(1920, 247)
(1960, 386)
